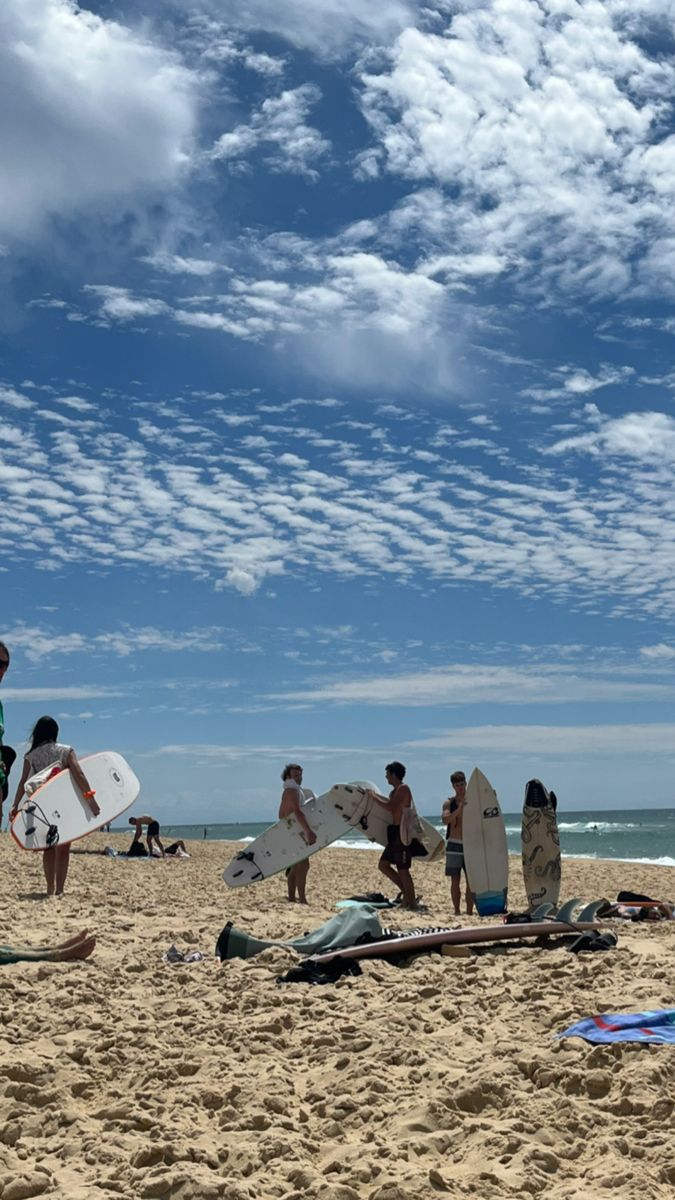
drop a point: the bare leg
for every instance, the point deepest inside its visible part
(455, 894)
(49, 868)
(62, 864)
(408, 887)
(469, 897)
(391, 873)
(291, 883)
(302, 870)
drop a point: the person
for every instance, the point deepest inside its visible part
(47, 752)
(152, 835)
(400, 850)
(7, 755)
(293, 797)
(177, 849)
(452, 814)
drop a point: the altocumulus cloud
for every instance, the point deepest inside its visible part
(96, 112)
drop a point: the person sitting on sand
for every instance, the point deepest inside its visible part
(152, 835)
(293, 797)
(453, 811)
(47, 752)
(398, 854)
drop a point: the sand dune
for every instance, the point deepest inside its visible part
(124, 1076)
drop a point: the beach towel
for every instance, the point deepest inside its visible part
(655, 1027)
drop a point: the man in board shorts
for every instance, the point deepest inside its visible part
(397, 856)
(453, 811)
(152, 836)
(293, 797)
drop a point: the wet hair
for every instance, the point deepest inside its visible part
(396, 769)
(44, 730)
(286, 773)
(458, 777)
(5, 648)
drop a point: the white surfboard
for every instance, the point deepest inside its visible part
(485, 851)
(374, 820)
(284, 844)
(56, 813)
(540, 845)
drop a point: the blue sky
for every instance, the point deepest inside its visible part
(336, 393)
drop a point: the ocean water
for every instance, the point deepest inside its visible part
(645, 836)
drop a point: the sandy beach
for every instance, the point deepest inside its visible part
(125, 1076)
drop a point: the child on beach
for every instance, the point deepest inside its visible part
(47, 752)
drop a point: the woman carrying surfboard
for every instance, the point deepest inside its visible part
(46, 757)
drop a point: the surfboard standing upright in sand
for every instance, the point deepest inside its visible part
(57, 812)
(485, 851)
(540, 845)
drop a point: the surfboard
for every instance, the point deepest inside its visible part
(485, 850)
(283, 844)
(374, 820)
(419, 940)
(540, 845)
(56, 813)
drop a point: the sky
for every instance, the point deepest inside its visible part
(336, 393)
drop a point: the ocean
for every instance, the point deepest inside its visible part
(647, 836)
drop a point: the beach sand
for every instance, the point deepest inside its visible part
(124, 1076)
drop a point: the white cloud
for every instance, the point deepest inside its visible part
(329, 28)
(546, 124)
(465, 683)
(661, 652)
(575, 741)
(280, 127)
(92, 112)
(647, 437)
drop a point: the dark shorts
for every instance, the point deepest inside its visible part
(153, 829)
(172, 848)
(396, 853)
(454, 857)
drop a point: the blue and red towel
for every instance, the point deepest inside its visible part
(656, 1026)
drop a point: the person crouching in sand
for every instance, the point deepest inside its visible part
(293, 797)
(397, 858)
(47, 752)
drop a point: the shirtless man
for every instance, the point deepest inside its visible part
(397, 858)
(452, 815)
(292, 799)
(153, 832)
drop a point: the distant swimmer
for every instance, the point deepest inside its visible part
(293, 797)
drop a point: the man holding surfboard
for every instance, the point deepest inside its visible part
(293, 797)
(401, 847)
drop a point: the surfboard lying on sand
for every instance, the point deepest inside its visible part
(284, 844)
(485, 851)
(540, 845)
(421, 939)
(57, 812)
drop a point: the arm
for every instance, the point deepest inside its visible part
(82, 782)
(310, 836)
(19, 791)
